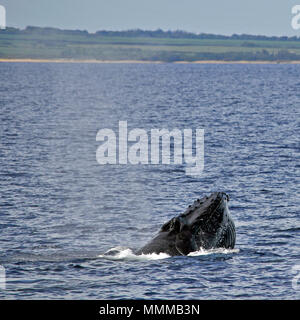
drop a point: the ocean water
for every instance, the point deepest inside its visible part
(69, 226)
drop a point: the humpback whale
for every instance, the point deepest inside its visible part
(205, 224)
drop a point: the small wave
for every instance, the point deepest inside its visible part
(120, 253)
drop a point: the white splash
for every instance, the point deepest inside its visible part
(203, 252)
(121, 253)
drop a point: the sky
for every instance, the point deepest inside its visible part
(264, 17)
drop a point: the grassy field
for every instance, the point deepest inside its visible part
(39, 44)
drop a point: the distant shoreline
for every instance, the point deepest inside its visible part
(37, 44)
(147, 62)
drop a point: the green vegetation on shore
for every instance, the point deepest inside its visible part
(168, 46)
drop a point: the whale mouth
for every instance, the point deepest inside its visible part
(207, 219)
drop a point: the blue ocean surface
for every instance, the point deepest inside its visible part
(61, 211)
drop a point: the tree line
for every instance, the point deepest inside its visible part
(138, 33)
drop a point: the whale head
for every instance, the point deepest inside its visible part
(205, 224)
